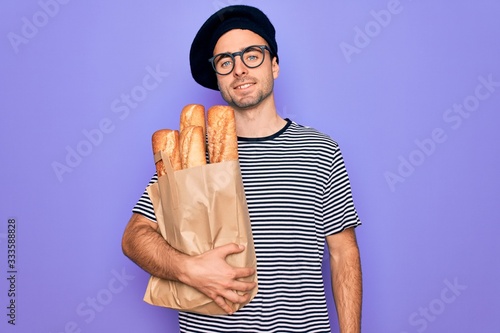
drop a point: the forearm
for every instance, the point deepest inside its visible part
(347, 289)
(207, 272)
(144, 245)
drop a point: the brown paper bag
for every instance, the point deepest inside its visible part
(198, 209)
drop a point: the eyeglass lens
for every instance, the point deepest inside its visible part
(252, 56)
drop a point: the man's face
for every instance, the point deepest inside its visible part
(244, 87)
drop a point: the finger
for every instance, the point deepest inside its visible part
(236, 298)
(243, 272)
(221, 302)
(241, 286)
(230, 248)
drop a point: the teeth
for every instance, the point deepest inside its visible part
(244, 86)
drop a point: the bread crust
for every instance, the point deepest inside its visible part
(167, 140)
(187, 147)
(222, 139)
(193, 115)
(192, 147)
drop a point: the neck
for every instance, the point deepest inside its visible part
(258, 122)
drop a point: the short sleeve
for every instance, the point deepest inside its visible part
(339, 212)
(144, 206)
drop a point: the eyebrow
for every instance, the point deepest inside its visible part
(243, 48)
(229, 52)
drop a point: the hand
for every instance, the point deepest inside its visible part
(210, 274)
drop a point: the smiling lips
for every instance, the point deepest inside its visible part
(243, 86)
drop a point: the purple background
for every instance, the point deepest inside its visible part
(388, 89)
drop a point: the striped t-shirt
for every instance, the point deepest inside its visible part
(298, 192)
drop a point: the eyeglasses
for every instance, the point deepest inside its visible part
(252, 56)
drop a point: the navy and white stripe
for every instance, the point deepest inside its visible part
(298, 192)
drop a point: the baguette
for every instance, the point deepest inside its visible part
(192, 147)
(222, 139)
(168, 141)
(193, 115)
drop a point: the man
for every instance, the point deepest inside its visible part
(298, 195)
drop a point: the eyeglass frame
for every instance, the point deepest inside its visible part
(240, 53)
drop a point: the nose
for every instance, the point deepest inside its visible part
(240, 69)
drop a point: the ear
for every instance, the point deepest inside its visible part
(275, 67)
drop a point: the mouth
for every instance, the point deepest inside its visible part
(243, 86)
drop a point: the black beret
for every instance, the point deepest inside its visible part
(227, 18)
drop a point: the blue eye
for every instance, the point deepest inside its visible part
(224, 61)
(252, 55)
